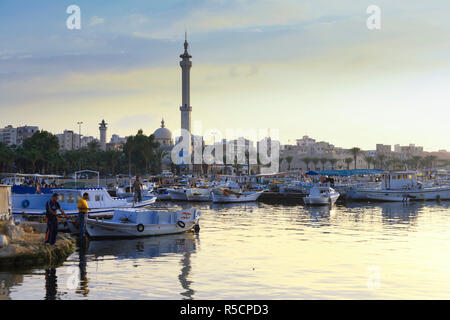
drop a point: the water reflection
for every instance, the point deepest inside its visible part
(7, 281)
(149, 248)
(244, 206)
(84, 281)
(143, 247)
(51, 284)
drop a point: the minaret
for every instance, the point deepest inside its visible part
(103, 135)
(186, 108)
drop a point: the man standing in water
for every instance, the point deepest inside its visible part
(137, 189)
(52, 206)
(83, 210)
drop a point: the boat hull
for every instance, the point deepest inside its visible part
(114, 229)
(403, 195)
(321, 200)
(232, 198)
(178, 195)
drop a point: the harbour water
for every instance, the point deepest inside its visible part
(262, 251)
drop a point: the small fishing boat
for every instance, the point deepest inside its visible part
(126, 192)
(198, 194)
(225, 195)
(321, 196)
(178, 194)
(142, 223)
(162, 194)
(100, 202)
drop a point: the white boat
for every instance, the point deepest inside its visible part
(100, 202)
(198, 194)
(401, 186)
(321, 196)
(226, 195)
(162, 194)
(142, 223)
(125, 192)
(178, 194)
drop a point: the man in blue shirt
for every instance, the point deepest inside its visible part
(52, 206)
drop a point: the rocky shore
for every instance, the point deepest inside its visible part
(22, 246)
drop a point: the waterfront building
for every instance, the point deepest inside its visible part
(25, 132)
(8, 135)
(103, 129)
(384, 150)
(406, 152)
(68, 140)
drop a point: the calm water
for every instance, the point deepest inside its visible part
(260, 251)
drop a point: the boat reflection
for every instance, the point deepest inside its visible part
(151, 247)
(148, 248)
(243, 206)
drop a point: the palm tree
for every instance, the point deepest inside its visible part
(380, 158)
(369, 160)
(307, 161)
(355, 152)
(129, 148)
(323, 161)
(348, 161)
(289, 160)
(280, 161)
(315, 161)
(333, 163)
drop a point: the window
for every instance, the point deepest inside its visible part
(70, 198)
(97, 197)
(61, 198)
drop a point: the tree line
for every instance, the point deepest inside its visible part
(379, 161)
(41, 154)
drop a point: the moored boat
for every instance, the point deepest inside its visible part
(178, 194)
(400, 186)
(226, 195)
(198, 194)
(142, 223)
(321, 196)
(100, 202)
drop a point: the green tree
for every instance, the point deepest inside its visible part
(369, 160)
(355, 152)
(307, 161)
(323, 161)
(289, 160)
(333, 163)
(348, 161)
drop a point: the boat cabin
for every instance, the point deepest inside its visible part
(98, 198)
(399, 180)
(321, 191)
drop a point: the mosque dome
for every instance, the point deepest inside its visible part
(163, 134)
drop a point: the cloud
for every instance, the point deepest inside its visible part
(96, 21)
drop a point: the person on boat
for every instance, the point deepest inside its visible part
(83, 210)
(52, 206)
(137, 189)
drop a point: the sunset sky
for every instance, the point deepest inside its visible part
(305, 67)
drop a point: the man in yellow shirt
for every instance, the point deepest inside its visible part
(83, 210)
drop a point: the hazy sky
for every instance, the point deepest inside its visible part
(303, 67)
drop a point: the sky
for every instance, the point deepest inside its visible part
(305, 67)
